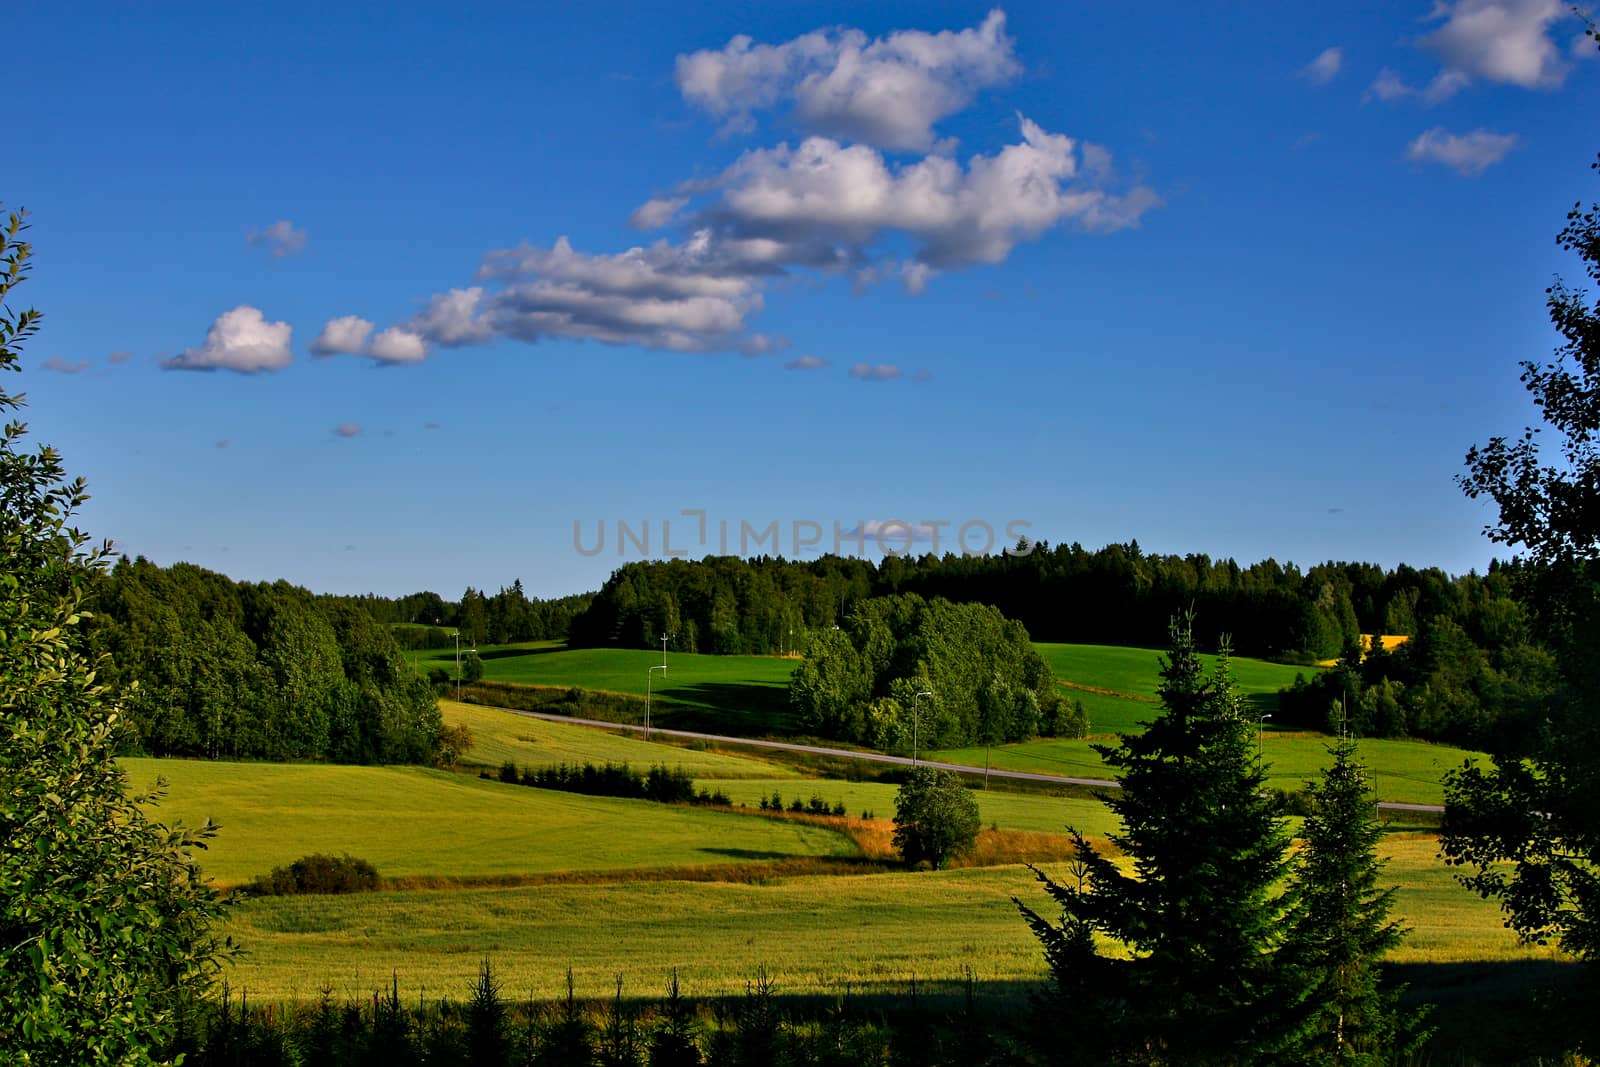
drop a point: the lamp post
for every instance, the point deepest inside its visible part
(1264, 717)
(458, 666)
(916, 720)
(649, 677)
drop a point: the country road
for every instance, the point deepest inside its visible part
(876, 757)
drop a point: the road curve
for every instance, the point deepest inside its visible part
(874, 757)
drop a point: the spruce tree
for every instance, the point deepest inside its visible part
(1341, 927)
(1194, 927)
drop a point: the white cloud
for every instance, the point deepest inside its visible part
(806, 363)
(240, 340)
(398, 344)
(657, 212)
(346, 335)
(1324, 68)
(1468, 154)
(281, 238)
(1505, 41)
(119, 357)
(61, 366)
(876, 372)
(347, 429)
(887, 91)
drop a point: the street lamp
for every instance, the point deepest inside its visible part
(916, 719)
(1264, 717)
(649, 677)
(458, 666)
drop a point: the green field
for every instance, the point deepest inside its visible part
(498, 736)
(811, 934)
(740, 694)
(1407, 771)
(408, 821)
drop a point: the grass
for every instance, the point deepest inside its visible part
(498, 736)
(1407, 771)
(736, 694)
(812, 934)
(410, 822)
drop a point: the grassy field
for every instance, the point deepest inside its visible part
(746, 694)
(812, 934)
(1407, 771)
(411, 822)
(498, 736)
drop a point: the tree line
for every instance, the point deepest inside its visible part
(427, 620)
(1118, 595)
(206, 666)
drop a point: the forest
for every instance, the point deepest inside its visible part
(206, 666)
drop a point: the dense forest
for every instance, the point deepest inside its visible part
(977, 674)
(206, 666)
(1117, 595)
(427, 620)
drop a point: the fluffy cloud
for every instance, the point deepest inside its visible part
(345, 335)
(398, 344)
(1324, 68)
(240, 340)
(1504, 41)
(654, 214)
(1467, 153)
(281, 238)
(876, 372)
(888, 91)
(347, 429)
(806, 363)
(61, 366)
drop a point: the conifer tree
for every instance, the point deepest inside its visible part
(1196, 924)
(1341, 927)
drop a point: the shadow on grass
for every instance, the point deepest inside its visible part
(748, 709)
(748, 853)
(1503, 1011)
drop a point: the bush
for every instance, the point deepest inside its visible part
(317, 873)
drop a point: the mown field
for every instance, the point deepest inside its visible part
(413, 822)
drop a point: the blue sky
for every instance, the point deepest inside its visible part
(390, 300)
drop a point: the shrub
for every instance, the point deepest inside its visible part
(317, 873)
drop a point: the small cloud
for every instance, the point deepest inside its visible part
(240, 340)
(876, 372)
(1324, 68)
(1385, 87)
(431, 426)
(61, 366)
(342, 336)
(656, 212)
(1305, 140)
(398, 345)
(119, 357)
(806, 363)
(223, 442)
(1336, 511)
(281, 239)
(1468, 154)
(347, 429)
(892, 531)
(349, 548)
(922, 377)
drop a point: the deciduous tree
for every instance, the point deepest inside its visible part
(935, 817)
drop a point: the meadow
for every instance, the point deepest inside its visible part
(412, 822)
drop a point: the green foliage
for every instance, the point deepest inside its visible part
(317, 873)
(1199, 916)
(1341, 929)
(472, 667)
(104, 916)
(935, 818)
(210, 667)
(1529, 827)
(981, 679)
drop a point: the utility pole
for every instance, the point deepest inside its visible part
(916, 721)
(649, 677)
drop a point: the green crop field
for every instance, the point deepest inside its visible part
(498, 736)
(1407, 771)
(408, 821)
(811, 934)
(748, 694)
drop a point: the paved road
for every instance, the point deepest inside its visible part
(875, 757)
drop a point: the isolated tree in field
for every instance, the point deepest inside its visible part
(935, 818)
(1340, 929)
(1198, 918)
(1529, 827)
(103, 913)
